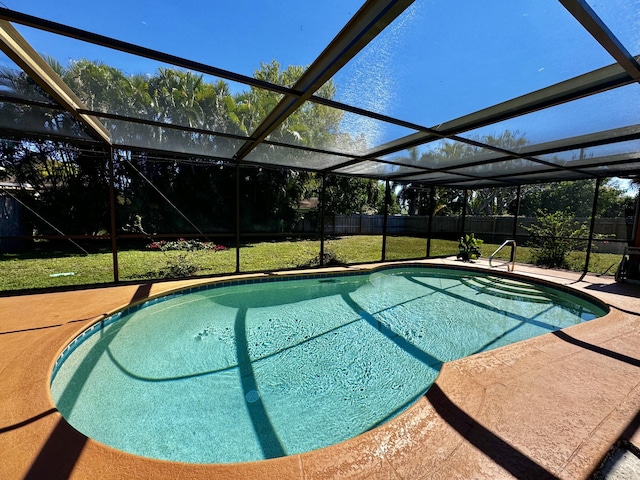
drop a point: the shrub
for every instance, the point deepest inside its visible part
(554, 236)
(182, 244)
(330, 259)
(180, 266)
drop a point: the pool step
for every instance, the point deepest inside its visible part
(508, 285)
(509, 290)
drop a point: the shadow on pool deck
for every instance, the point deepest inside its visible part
(456, 430)
(59, 455)
(26, 422)
(594, 348)
(511, 459)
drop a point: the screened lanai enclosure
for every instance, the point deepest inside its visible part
(142, 141)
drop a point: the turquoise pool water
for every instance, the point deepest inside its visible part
(248, 372)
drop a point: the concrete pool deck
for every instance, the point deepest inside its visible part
(549, 407)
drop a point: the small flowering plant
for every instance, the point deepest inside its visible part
(185, 245)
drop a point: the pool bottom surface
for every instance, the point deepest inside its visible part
(251, 372)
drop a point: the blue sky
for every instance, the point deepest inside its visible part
(233, 35)
(438, 61)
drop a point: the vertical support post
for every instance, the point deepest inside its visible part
(387, 196)
(516, 214)
(237, 216)
(322, 200)
(112, 214)
(464, 211)
(591, 227)
(515, 221)
(635, 234)
(432, 207)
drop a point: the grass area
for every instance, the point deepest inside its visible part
(35, 270)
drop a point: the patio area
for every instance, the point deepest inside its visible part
(549, 407)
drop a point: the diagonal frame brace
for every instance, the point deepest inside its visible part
(588, 18)
(19, 50)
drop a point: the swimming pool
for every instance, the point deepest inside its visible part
(243, 372)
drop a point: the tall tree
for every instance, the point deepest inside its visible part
(495, 200)
(202, 189)
(577, 197)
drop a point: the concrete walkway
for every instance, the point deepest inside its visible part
(549, 407)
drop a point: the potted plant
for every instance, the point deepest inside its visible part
(469, 247)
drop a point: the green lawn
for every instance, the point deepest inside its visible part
(24, 271)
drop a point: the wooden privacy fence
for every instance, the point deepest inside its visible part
(492, 229)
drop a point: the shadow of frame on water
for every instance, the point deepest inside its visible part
(263, 416)
(285, 292)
